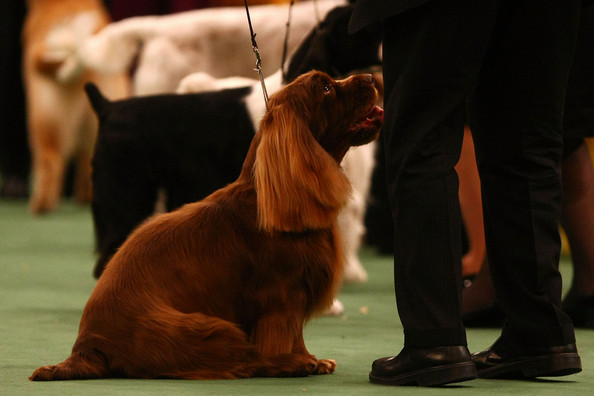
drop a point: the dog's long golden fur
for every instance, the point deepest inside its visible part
(222, 288)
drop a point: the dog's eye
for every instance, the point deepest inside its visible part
(327, 88)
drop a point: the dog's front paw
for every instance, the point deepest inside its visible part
(325, 366)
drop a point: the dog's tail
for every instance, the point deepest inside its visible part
(99, 102)
(115, 48)
(59, 56)
(78, 366)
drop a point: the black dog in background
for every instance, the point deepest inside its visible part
(190, 145)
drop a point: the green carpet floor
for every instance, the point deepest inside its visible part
(45, 280)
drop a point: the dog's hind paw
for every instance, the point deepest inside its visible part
(45, 373)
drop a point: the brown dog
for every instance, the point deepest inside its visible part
(222, 288)
(61, 123)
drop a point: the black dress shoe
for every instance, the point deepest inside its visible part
(508, 360)
(424, 367)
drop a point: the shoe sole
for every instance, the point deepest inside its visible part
(434, 376)
(537, 366)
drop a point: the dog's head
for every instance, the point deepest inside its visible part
(309, 127)
(338, 114)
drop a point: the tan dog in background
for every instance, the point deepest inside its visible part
(61, 123)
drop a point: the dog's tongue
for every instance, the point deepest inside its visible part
(375, 115)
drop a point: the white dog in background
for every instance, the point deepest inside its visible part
(214, 40)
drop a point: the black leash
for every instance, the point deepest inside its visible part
(257, 52)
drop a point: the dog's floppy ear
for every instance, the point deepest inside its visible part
(299, 185)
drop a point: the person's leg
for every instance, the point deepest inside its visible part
(516, 116)
(478, 301)
(471, 206)
(432, 56)
(578, 222)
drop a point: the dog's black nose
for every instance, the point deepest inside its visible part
(368, 78)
